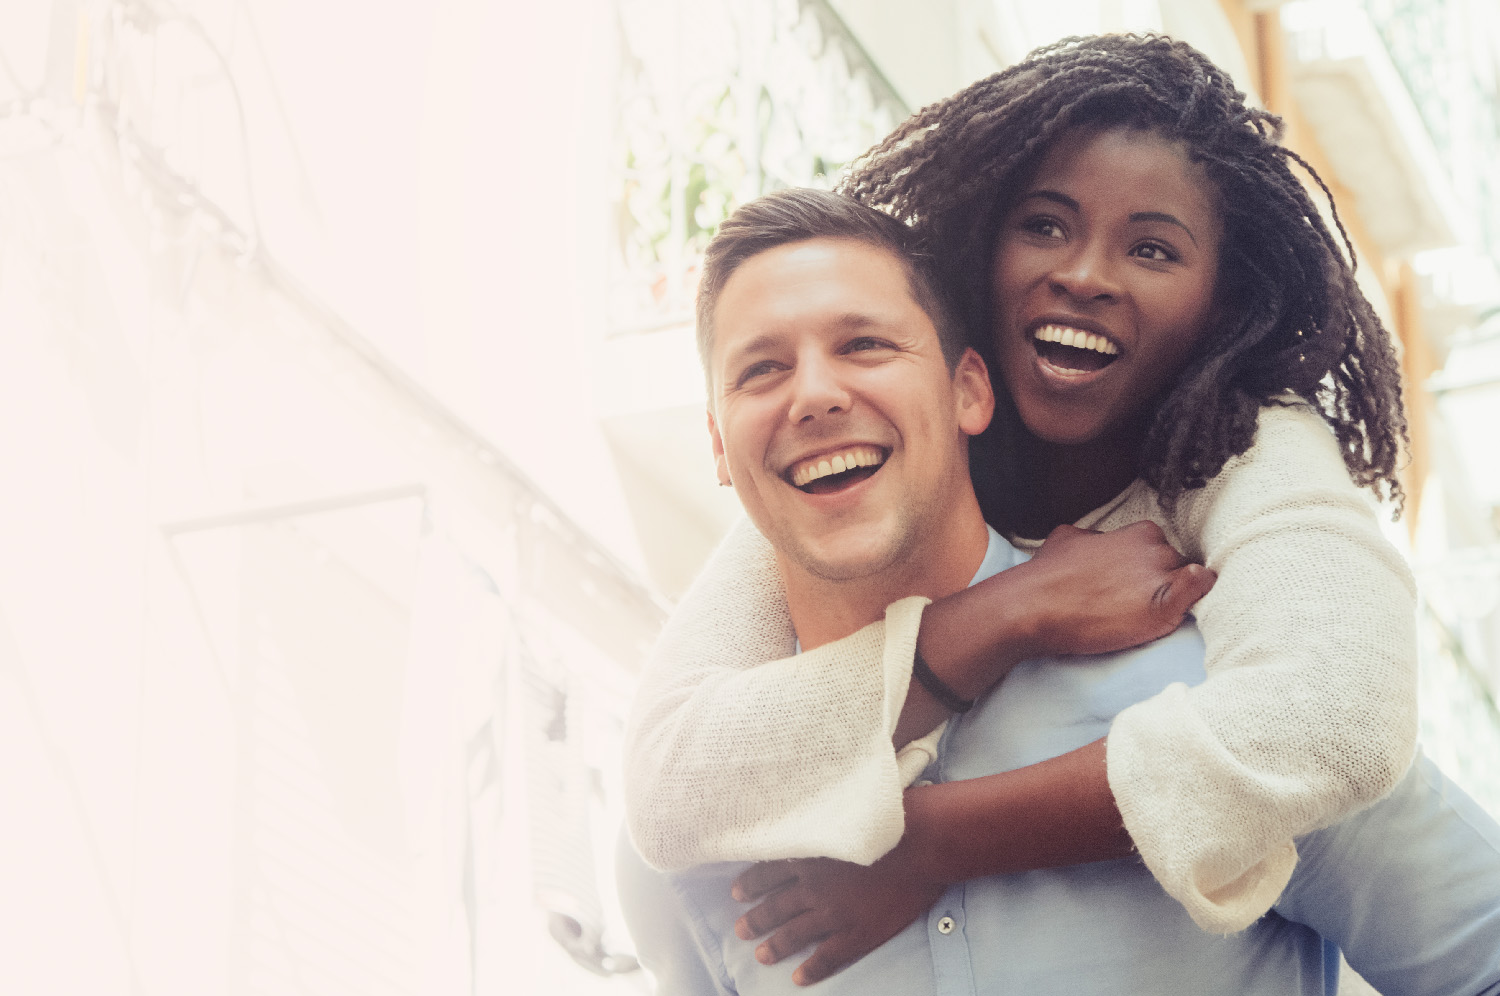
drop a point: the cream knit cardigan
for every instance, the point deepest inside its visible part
(738, 750)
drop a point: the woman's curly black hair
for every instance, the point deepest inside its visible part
(1293, 318)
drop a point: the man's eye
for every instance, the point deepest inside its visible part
(753, 371)
(865, 343)
(1154, 251)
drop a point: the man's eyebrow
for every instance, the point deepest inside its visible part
(759, 344)
(853, 321)
(742, 354)
(849, 321)
(1162, 216)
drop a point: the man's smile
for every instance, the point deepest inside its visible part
(835, 469)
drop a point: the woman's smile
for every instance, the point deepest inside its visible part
(1070, 354)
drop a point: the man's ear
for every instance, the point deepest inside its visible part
(721, 462)
(973, 394)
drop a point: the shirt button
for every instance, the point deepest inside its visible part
(946, 925)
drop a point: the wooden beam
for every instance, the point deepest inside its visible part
(1265, 50)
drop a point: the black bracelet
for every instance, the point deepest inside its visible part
(936, 687)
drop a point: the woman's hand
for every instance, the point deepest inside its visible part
(1100, 592)
(848, 910)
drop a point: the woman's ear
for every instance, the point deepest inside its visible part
(973, 394)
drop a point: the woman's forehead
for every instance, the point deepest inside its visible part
(1125, 161)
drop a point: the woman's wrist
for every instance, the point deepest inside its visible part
(923, 845)
(969, 641)
(972, 638)
(940, 691)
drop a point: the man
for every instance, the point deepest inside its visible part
(842, 424)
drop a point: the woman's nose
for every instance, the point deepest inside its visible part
(1087, 274)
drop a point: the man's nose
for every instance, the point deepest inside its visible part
(1087, 273)
(817, 390)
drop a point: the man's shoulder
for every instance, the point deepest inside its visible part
(1409, 888)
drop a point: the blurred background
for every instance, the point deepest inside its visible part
(354, 447)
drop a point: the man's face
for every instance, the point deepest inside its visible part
(833, 412)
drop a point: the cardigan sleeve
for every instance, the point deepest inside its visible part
(737, 750)
(1308, 713)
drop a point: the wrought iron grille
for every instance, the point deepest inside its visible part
(719, 102)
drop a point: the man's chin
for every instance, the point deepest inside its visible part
(845, 563)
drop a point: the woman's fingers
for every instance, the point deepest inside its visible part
(1184, 587)
(795, 935)
(763, 878)
(772, 913)
(835, 954)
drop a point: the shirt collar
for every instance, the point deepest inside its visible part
(998, 555)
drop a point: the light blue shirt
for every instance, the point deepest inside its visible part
(1409, 889)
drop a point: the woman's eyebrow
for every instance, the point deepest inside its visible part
(1054, 196)
(1164, 217)
(1063, 199)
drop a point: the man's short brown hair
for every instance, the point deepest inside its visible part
(798, 214)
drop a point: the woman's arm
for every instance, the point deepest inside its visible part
(1309, 710)
(1045, 815)
(737, 751)
(1307, 715)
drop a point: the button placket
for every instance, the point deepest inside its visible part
(952, 974)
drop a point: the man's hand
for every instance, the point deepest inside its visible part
(848, 910)
(1096, 593)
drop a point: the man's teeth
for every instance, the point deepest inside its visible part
(860, 456)
(1077, 338)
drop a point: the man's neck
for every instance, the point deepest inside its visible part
(823, 611)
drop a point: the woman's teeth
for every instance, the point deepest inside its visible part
(1077, 338)
(808, 471)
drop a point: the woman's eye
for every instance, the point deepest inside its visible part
(1047, 228)
(1154, 251)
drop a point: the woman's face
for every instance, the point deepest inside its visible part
(1103, 281)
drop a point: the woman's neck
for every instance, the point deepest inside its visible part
(1064, 483)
